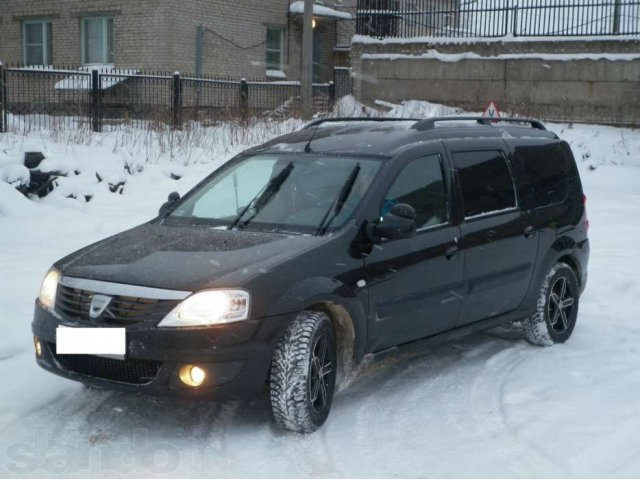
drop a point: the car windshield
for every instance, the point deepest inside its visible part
(300, 193)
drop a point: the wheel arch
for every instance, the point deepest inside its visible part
(572, 261)
(344, 308)
(345, 332)
(562, 250)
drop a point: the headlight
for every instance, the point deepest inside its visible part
(209, 308)
(48, 289)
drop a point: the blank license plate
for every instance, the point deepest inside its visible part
(91, 341)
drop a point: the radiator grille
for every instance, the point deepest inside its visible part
(74, 303)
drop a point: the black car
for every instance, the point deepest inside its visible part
(281, 270)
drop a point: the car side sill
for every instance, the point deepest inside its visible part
(454, 333)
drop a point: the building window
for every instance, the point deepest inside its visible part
(37, 42)
(97, 40)
(275, 48)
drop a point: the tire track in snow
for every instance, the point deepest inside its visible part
(410, 392)
(60, 410)
(487, 394)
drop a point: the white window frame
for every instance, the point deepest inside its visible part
(105, 40)
(45, 25)
(280, 50)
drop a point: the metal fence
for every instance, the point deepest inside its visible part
(497, 18)
(108, 98)
(343, 81)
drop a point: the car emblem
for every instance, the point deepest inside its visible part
(99, 304)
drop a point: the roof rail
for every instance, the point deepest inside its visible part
(358, 119)
(430, 123)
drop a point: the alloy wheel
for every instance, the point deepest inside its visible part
(320, 370)
(560, 305)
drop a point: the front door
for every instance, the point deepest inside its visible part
(415, 284)
(499, 246)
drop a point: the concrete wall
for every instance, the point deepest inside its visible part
(542, 83)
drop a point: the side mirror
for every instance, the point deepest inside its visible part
(172, 199)
(399, 223)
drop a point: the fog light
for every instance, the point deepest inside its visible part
(38, 346)
(192, 375)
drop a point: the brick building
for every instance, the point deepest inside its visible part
(249, 38)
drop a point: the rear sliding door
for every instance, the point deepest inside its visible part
(499, 244)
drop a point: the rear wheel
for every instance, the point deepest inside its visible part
(303, 373)
(557, 308)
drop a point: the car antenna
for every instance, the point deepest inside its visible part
(307, 147)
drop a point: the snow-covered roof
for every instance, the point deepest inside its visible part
(297, 8)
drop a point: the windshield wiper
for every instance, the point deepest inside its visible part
(338, 203)
(263, 197)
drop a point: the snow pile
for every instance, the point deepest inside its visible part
(12, 203)
(15, 175)
(348, 106)
(597, 145)
(417, 109)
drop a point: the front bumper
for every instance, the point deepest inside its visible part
(236, 357)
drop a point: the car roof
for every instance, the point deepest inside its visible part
(378, 137)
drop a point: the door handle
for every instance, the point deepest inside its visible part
(529, 232)
(451, 252)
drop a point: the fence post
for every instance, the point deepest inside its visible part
(616, 17)
(96, 114)
(515, 20)
(332, 92)
(507, 11)
(244, 100)
(3, 99)
(177, 101)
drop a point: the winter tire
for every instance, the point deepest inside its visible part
(557, 308)
(303, 373)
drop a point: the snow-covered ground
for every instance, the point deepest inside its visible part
(489, 405)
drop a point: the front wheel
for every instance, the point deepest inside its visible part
(303, 373)
(557, 308)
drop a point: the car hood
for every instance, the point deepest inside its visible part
(184, 257)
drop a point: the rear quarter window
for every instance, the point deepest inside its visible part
(543, 172)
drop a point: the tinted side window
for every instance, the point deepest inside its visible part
(544, 172)
(421, 185)
(486, 182)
